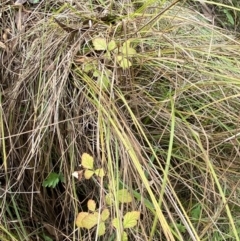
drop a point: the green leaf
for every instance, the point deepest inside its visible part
(87, 161)
(91, 205)
(61, 177)
(101, 229)
(124, 196)
(99, 44)
(105, 214)
(196, 211)
(130, 219)
(53, 179)
(229, 16)
(111, 45)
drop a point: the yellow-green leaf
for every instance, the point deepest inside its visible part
(124, 236)
(124, 196)
(109, 199)
(79, 219)
(90, 220)
(119, 58)
(100, 172)
(104, 81)
(125, 63)
(112, 45)
(126, 44)
(88, 67)
(87, 161)
(128, 51)
(105, 214)
(91, 205)
(100, 44)
(130, 219)
(107, 55)
(101, 229)
(97, 73)
(88, 174)
(116, 223)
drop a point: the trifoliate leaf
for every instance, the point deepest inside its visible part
(90, 220)
(124, 196)
(91, 204)
(100, 172)
(101, 229)
(79, 219)
(100, 44)
(105, 214)
(111, 45)
(130, 219)
(87, 161)
(88, 174)
(116, 223)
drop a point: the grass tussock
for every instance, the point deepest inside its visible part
(163, 123)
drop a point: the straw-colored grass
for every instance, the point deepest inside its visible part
(166, 128)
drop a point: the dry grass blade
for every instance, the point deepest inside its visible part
(150, 92)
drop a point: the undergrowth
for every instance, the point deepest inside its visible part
(149, 90)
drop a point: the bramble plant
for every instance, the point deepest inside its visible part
(122, 54)
(95, 217)
(113, 54)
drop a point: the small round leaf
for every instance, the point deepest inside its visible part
(91, 205)
(101, 229)
(87, 161)
(88, 174)
(105, 214)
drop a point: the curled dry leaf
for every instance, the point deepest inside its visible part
(78, 175)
